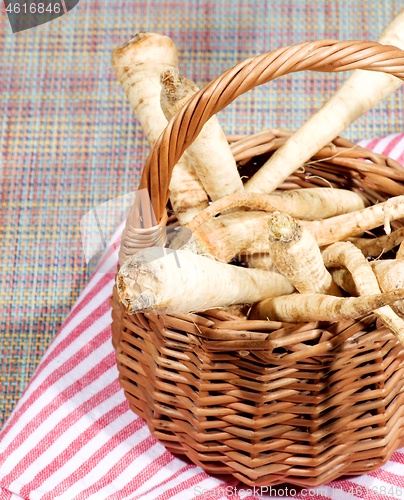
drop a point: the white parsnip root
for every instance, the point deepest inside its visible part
(390, 276)
(305, 204)
(298, 257)
(244, 232)
(344, 226)
(298, 308)
(182, 282)
(324, 231)
(345, 254)
(138, 65)
(210, 153)
(297, 240)
(308, 203)
(375, 247)
(360, 92)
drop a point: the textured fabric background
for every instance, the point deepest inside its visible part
(69, 142)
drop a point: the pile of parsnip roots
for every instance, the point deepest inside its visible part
(299, 267)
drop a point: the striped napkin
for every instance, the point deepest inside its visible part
(73, 436)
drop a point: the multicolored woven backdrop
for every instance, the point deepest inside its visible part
(69, 142)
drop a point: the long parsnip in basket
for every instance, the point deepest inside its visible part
(138, 65)
(345, 254)
(210, 153)
(229, 234)
(160, 281)
(220, 236)
(361, 91)
(305, 307)
(178, 280)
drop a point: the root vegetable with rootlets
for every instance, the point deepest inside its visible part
(375, 247)
(345, 254)
(305, 204)
(210, 153)
(227, 240)
(297, 308)
(238, 232)
(342, 227)
(138, 65)
(298, 257)
(360, 92)
(181, 281)
(305, 246)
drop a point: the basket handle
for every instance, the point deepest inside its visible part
(182, 130)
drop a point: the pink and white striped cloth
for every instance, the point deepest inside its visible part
(72, 435)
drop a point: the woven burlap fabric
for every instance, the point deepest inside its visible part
(69, 141)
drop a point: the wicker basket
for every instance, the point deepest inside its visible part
(302, 404)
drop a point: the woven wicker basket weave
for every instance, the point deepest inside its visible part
(269, 404)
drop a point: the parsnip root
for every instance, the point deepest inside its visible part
(375, 247)
(210, 153)
(138, 65)
(305, 204)
(254, 238)
(360, 92)
(297, 308)
(344, 226)
(297, 256)
(390, 276)
(210, 239)
(345, 254)
(182, 282)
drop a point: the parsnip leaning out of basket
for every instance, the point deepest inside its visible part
(312, 263)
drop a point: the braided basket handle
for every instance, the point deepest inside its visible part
(323, 55)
